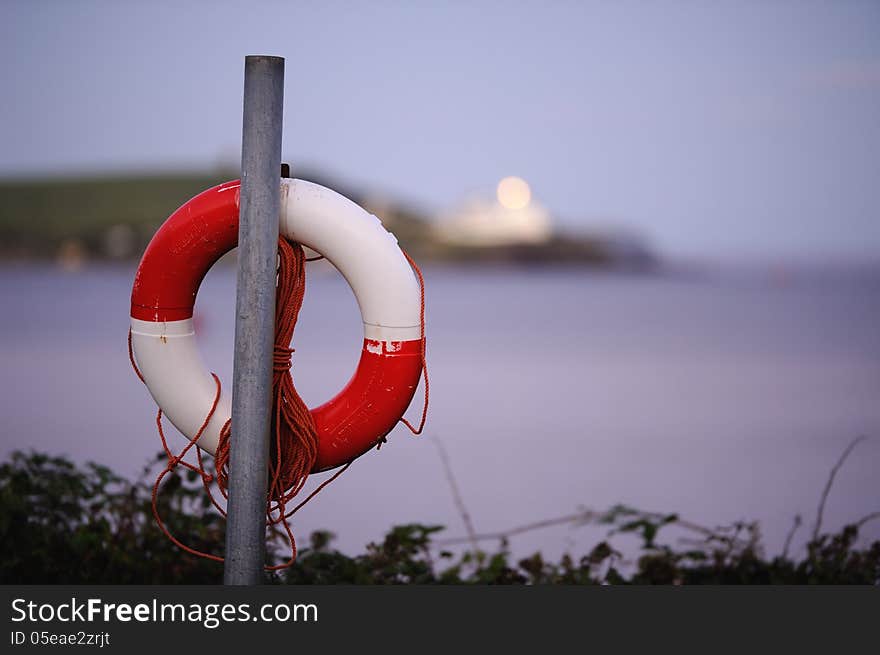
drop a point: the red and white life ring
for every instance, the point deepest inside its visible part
(195, 236)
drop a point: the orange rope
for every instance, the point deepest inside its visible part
(295, 445)
(415, 267)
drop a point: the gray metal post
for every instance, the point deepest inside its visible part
(254, 319)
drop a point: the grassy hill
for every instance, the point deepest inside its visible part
(37, 218)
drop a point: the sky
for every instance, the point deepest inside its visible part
(723, 129)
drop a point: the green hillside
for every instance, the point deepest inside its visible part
(37, 218)
(115, 217)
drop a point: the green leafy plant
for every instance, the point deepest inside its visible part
(62, 523)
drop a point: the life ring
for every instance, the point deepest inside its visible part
(196, 235)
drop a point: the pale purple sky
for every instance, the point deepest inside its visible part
(714, 129)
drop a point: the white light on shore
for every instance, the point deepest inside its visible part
(513, 193)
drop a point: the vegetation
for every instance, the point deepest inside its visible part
(40, 218)
(115, 217)
(60, 523)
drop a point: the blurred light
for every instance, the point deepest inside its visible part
(514, 193)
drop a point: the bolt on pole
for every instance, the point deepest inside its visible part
(254, 319)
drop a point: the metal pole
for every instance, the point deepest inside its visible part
(254, 319)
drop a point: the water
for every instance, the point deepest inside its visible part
(719, 398)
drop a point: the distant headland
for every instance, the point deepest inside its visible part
(73, 220)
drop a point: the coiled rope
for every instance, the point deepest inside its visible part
(294, 448)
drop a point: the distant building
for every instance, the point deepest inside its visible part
(512, 218)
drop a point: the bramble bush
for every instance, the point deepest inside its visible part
(60, 523)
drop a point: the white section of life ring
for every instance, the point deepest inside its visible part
(367, 255)
(168, 357)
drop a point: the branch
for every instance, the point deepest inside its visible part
(866, 519)
(580, 517)
(591, 516)
(828, 484)
(456, 494)
(794, 528)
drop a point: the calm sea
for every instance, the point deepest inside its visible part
(719, 397)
